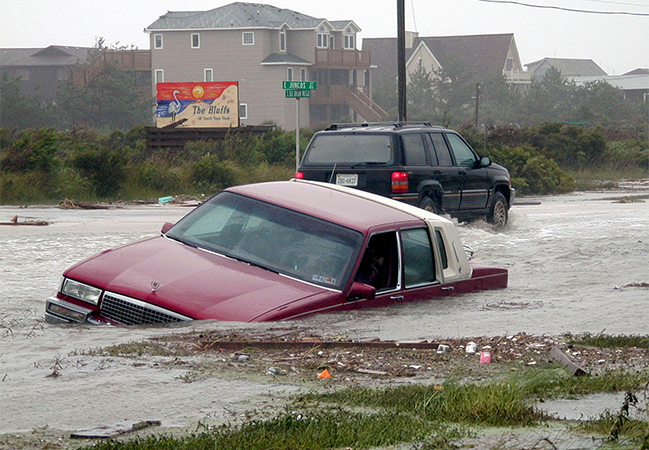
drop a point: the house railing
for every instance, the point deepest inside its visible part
(518, 76)
(135, 60)
(326, 58)
(335, 94)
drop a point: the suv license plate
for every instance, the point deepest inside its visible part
(347, 179)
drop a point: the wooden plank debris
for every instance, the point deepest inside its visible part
(564, 359)
(108, 431)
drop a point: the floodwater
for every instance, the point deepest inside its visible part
(577, 263)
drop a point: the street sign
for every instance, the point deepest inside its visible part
(294, 93)
(299, 85)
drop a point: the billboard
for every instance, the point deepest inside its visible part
(198, 105)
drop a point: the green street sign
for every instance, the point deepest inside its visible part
(299, 85)
(295, 93)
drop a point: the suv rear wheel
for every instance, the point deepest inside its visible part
(498, 212)
(429, 205)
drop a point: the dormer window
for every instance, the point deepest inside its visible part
(349, 42)
(323, 40)
(282, 41)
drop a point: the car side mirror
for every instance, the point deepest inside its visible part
(166, 227)
(361, 291)
(485, 161)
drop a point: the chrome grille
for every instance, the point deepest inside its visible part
(129, 311)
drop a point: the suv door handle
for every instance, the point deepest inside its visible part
(448, 288)
(396, 297)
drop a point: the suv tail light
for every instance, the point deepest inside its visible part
(299, 175)
(399, 182)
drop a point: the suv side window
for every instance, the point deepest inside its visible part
(442, 155)
(413, 149)
(464, 156)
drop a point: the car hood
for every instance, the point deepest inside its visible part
(192, 282)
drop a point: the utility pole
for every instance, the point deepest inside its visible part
(477, 103)
(401, 59)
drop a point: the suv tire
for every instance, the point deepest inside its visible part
(498, 212)
(429, 205)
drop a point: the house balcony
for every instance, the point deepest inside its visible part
(326, 58)
(518, 76)
(131, 60)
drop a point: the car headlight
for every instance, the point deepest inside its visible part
(80, 291)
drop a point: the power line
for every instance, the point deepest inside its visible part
(621, 13)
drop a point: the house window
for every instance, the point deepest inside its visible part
(157, 41)
(289, 74)
(196, 40)
(243, 110)
(282, 41)
(332, 42)
(159, 76)
(208, 75)
(349, 42)
(248, 38)
(302, 74)
(323, 40)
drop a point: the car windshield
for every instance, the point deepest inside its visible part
(272, 237)
(350, 149)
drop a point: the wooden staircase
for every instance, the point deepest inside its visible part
(356, 99)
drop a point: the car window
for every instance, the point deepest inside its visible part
(440, 150)
(413, 148)
(350, 149)
(442, 249)
(273, 237)
(419, 265)
(380, 264)
(464, 156)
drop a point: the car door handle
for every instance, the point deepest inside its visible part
(396, 297)
(448, 288)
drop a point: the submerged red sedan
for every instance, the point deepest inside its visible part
(274, 251)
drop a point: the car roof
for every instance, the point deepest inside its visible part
(349, 207)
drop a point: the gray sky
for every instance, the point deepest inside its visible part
(618, 43)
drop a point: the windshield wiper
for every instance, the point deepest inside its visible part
(368, 163)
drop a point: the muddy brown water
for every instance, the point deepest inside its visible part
(577, 263)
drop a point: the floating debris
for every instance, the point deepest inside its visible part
(17, 221)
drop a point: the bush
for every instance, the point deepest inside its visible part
(211, 175)
(104, 168)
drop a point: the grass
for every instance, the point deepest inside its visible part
(607, 340)
(605, 178)
(423, 416)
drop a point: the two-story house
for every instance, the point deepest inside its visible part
(481, 56)
(260, 46)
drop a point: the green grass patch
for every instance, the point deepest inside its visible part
(607, 340)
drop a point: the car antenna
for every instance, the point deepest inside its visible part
(332, 173)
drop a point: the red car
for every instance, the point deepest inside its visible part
(274, 251)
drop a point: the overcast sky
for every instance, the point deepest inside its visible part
(617, 42)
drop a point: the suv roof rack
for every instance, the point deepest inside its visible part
(395, 124)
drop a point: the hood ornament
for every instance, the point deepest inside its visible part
(155, 285)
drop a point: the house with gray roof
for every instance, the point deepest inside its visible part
(480, 56)
(569, 67)
(40, 70)
(260, 46)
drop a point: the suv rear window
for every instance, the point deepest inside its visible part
(350, 149)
